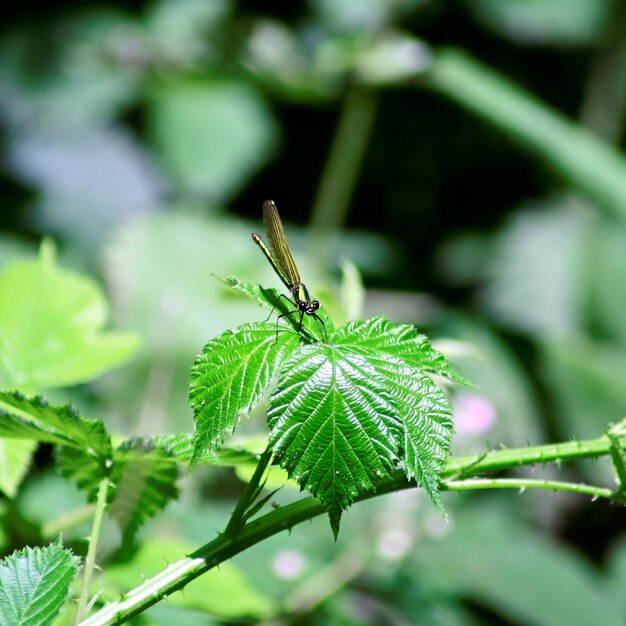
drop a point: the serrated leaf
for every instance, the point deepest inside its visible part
(344, 416)
(426, 415)
(230, 376)
(85, 470)
(34, 419)
(400, 341)
(34, 585)
(51, 327)
(332, 425)
(144, 481)
(422, 407)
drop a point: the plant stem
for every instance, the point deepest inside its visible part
(341, 170)
(604, 100)
(90, 560)
(529, 483)
(252, 490)
(225, 546)
(82, 514)
(583, 160)
(507, 459)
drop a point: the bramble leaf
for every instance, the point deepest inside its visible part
(332, 425)
(344, 414)
(34, 419)
(230, 376)
(34, 584)
(144, 481)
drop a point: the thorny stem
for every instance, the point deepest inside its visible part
(252, 490)
(455, 475)
(529, 483)
(90, 560)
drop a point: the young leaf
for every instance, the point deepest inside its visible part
(281, 306)
(51, 327)
(230, 376)
(34, 584)
(404, 356)
(144, 481)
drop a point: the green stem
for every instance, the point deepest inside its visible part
(225, 546)
(69, 520)
(529, 483)
(495, 460)
(583, 160)
(604, 102)
(619, 460)
(252, 490)
(90, 560)
(341, 170)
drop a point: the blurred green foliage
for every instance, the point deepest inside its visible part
(487, 205)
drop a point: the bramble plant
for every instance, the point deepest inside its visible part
(350, 417)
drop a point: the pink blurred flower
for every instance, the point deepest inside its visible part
(474, 413)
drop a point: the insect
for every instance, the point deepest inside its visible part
(280, 257)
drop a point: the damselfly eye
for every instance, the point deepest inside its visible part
(302, 306)
(315, 305)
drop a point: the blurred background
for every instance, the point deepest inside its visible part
(453, 164)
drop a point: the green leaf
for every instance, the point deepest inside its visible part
(84, 447)
(15, 457)
(34, 585)
(403, 342)
(86, 471)
(35, 419)
(344, 416)
(144, 482)
(332, 425)
(51, 327)
(230, 376)
(211, 135)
